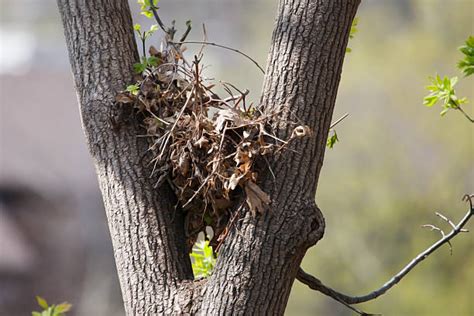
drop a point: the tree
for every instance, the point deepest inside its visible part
(260, 259)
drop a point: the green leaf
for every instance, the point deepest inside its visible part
(203, 259)
(63, 307)
(354, 29)
(442, 113)
(147, 13)
(153, 28)
(35, 314)
(446, 83)
(462, 101)
(48, 312)
(466, 65)
(453, 82)
(133, 89)
(42, 302)
(152, 61)
(352, 32)
(137, 27)
(196, 255)
(430, 100)
(332, 140)
(145, 6)
(139, 68)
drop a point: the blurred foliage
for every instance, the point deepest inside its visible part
(51, 310)
(467, 64)
(352, 32)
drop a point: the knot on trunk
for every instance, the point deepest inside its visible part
(302, 223)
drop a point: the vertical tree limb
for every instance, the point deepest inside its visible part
(148, 240)
(259, 260)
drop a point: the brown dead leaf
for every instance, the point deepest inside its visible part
(201, 142)
(233, 182)
(124, 98)
(245, 167)
(257, 200)
(241, 156)
(152, 125)
(154, 52)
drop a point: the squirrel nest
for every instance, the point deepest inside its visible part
(209, 149)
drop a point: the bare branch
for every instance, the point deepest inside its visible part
(158, 20)
(432, 228)
(339, 120)
(225, 47)
(445, 219)
(465, 114)
(317, 285)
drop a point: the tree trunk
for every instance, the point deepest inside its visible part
(259, 259)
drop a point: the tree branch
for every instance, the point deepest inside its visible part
(147, 233)
(158, 20)
(465, 114)
(224, 47)
(317, 285)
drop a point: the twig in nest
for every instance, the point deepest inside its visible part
(316, 284)
(163, 147)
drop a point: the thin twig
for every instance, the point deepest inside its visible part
(186, 33)
(158, 20)
(224, 47)
(163, 147)
(450, 222)
(339, 120)
(432, 228)
(316, 284)
(465, 114)
(204, 32)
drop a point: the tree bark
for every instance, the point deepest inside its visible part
(259, 259)
(147, 234)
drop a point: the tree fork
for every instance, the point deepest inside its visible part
(259, 260)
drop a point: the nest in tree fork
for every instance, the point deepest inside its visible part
(208, 148)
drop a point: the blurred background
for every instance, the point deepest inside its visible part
(397, 161)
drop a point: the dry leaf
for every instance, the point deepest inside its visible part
(154, 52)
(124, 98)
(201, 142)
(256, 199)
(233, 182)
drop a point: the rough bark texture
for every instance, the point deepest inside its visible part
(259, 260)
(258, 263)
(148, 240)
